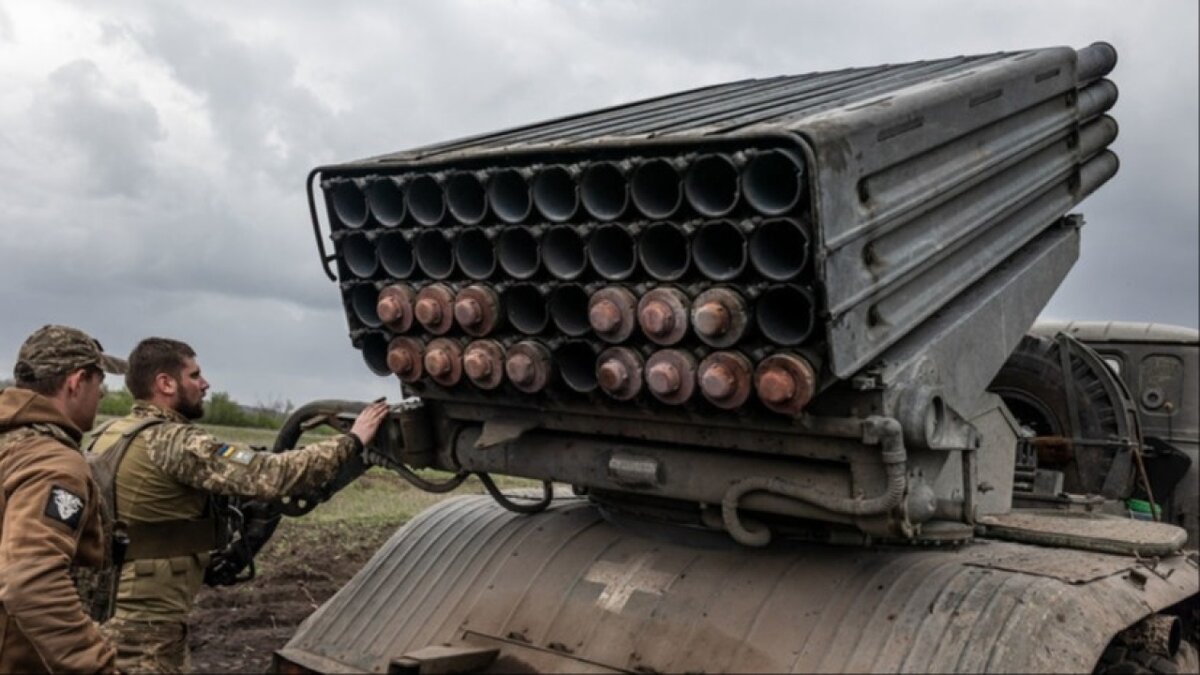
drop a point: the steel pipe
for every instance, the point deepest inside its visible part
(556, 192)
(434, 308)
(349, 202)
(656, 187)
(663, 315)
(385, 198)
(785, 383)
(720, 317)
(619, 372)
(520, 251)
(575, 361)
(612, 252)
(563, 251)
(425, 199)
(569, 309)
(374, 352)
(604, 189)
(719, 250)
(612, 313)
(475, 253)
(525, 306)
(406, 358)
(785, 314)
(671, 375)
(773, 181)
(466, 197)
(435, 254)
(360, 255)
(508, 193)
(477, 310)
(395, 307)
(1095, 60)
(779, 249)
(363, 299)
(395, 251)
(527, 365)
(483, 362)
(443, 361)
(712, 185)
(663, 250)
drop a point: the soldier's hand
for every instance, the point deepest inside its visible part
(368, 421)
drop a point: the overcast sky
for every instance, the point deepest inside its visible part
(153, 154)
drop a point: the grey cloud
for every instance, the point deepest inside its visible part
(114, 128)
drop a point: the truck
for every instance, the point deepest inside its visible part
(768, 350)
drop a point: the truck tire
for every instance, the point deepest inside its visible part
(1118, 659)
(1034, 387)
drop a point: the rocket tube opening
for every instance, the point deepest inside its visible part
(360, 255)
(396, 254)
(466, 198)
(349, 203)
(656, 188)
(576, 362)
(475, 253)
(619, 372)
(426, 200)
(435, 254)
(779, 249)
(719, 250)
(519, 251)
(374, 353)
(563, 252)
(569, 309)
(604, 190)
(526, 308)
(785, 314)
(711, 185)
(663, 250)
(508, 193)
(555, 193)
(773, 182)
(612, 250)
(385, 197)
(363, 300)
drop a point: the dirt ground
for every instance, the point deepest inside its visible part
(236, 629)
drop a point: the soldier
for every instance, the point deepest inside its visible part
(163, 487)
(50, 516)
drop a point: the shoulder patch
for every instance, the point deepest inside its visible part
(233, 454)
(64, 506)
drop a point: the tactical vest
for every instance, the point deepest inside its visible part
(162, 517)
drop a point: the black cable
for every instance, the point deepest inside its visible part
(502, 500)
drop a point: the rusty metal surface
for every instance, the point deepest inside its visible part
(582, 594)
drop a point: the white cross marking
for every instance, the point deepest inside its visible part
(621, 580)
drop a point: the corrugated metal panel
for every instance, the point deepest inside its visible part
(567, 585)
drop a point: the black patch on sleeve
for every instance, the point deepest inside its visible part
(64, 506)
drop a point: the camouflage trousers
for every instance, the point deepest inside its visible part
(149, 646)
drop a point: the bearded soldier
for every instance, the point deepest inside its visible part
(164, 484)
(50, 515)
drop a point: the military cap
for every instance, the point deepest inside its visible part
(54, 350)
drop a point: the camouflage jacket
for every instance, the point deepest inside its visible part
(196, 458)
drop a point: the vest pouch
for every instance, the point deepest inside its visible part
(143, 568)
(180, 565)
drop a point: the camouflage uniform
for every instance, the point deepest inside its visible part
(50, 519)
(164, 481)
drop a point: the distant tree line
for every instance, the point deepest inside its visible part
(220, 408)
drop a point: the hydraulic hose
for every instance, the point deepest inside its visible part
(889, 435)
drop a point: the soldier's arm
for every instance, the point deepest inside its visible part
(194, 457)
(46, 510)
